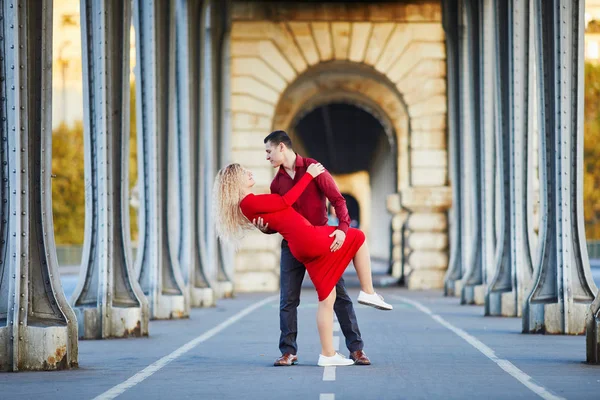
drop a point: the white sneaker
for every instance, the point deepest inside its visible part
(336, 360)
(373, 300)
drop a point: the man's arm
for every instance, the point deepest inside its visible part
(332, 192)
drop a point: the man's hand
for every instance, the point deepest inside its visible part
(260, 224)
(340, 236)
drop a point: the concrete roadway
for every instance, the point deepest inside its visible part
(429, 347)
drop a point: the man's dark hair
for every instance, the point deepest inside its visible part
(277, 137)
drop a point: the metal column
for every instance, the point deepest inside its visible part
(108, 300)
(189, 50)
(450, 20)
(487, 148)
(221, 62)
(40, 334)
(156, 265)
(563, 287)
(507, 289)
(207, 149)
(471, 83)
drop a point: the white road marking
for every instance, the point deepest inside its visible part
(336, 343)
(327, 396)
(506, 365)
(328, 374)
(157, 365)
(336, 326)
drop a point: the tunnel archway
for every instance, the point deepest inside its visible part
(352, 143)
(352, 119)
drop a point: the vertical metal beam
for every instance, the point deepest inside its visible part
(189, 13)
(207, 165)
(533, 192)
(506, 292)
(487, 148)
(108, 300)
(450, 21)
(40, 334)
(470, 75)
(157, 267)
(563, 287)
(225, 254)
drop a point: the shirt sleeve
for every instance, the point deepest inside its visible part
(332, 192)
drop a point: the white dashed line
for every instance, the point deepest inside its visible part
(327, 396)
(506, 365)
(328, 374)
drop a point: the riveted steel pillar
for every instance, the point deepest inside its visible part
(487, 149)
(507, 290)
(207, 146)
(157, 266)
(38, 328)
(108, 300)
(451, 20)
(221, 61)
(189, 13)
(470, 77)
(533, 193)
(563, 287)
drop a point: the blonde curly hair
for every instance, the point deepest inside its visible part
(230, 222)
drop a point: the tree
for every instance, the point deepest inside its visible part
(591, 172)
(68, 194)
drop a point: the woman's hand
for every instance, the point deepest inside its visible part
(315, 169)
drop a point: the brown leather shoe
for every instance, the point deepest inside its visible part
(286, 360)
(360, 358)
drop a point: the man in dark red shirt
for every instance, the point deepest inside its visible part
(311, 205)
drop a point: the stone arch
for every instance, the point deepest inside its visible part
(267, 57)
(284, 62)
(351, 83)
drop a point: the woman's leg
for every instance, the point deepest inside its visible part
(325, 324)
(362, 264)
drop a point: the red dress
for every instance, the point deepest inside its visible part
(309, 244)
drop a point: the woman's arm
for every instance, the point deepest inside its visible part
(292, 195)
(262, 204)
(267, 203)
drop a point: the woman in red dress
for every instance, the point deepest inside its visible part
(236, 206)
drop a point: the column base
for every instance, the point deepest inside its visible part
(202, 297)
(458, 288)
(501, 304)
(125, 322)
(45, 349)
(479, 294)
(450, 288)
(593, 341)
(467, 295)
(548, 318)
(169, 307)
(224, 289)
